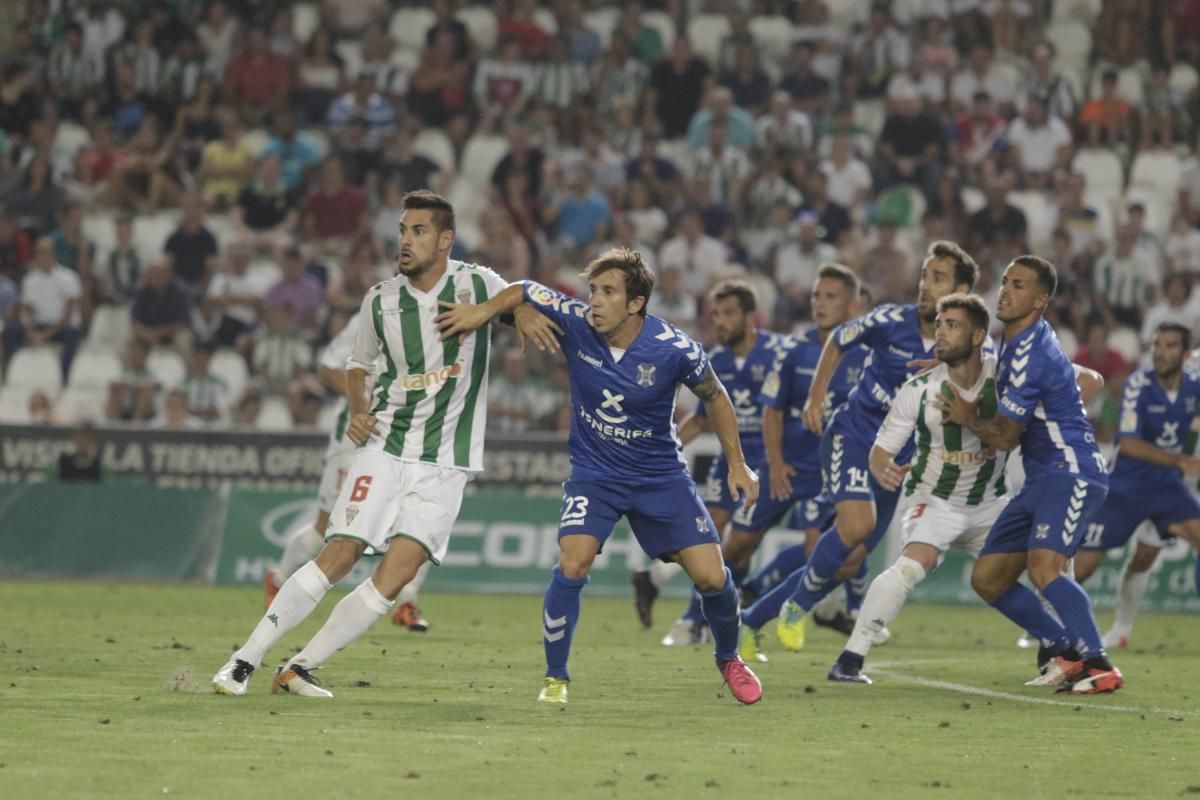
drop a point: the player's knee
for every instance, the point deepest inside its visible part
(1085, 567)
(988, 586)
(338, 557)
(574, 567)
(1143, 558)
(710, 581)
(909, 571)
(738, 548)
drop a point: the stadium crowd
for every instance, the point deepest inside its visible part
(195, 196)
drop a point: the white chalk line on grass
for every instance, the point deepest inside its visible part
(888, 669)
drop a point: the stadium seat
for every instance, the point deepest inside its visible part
(1073, 41)
(1068, 340)
(305, 19)
(774, 35)
(662, 22)
(320, 140)
(255, 140)
(1129, 83)
(972, 199)
(100, 227)
(150, 233)
(350, 51)
(544, 18)
(843, 13)
(94, 367)
(482, 26)
(1039, 217)
(434, 145)
(1102, 169)
(229, 366)
(81, 404)
(275, 415)
(407, 60)
(706, 32)
(1160, 208)
(469, 201)
(110, 328)
(1082, 11)
(602, 21)
(38, 368)
(1184, 79)
(14, 404)
(167, 367)
(480, 157)
(265, 271)
(1125, 341)
(870, 114)
(409, 26)
(1157, 170)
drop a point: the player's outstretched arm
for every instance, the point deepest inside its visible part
(885, 469)
(459, 318)
(743, 483)
(1152, 454)
(1090, 382)
(814, 406)
(362, 422)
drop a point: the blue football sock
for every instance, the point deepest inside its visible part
(767, 607)
(560, 613)
(851, 661)
(694, 612)
(739, 572)
(1074, 608)
(786, 561)
(856, 587)
(1024, 608)
(1196, 573)
(827, 558)
(721, 613)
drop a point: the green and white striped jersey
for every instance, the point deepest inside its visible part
(334, 356)
(950, 461)
(430, 399)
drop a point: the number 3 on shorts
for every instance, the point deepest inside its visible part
(361, 487)
(574, 510)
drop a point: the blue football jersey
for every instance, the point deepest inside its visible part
(623, 409)
(744, 381)
(1150, 414)
(786, 389)
(1036, 384)
(892, 333)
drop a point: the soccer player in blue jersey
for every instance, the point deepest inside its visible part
(1158, 409)
(1066, 481)
(896, 335)
(625, 367)
(742, 361)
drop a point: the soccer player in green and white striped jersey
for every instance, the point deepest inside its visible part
(420, 433)
(955, 485)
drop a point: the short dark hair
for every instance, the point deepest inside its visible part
(639, 280)
(1046, 273)
(423, 199)
(965, 269)
(971, 304)
(1184, 332)
(840, 272)
(736, 287)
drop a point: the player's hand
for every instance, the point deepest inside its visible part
(956, 409)
(360, 428)
(922, 365)
(781, 481)
(814, 414)
(1190, 465)
(459, 320)
(893, 475)
(532, 325)
(743, 485)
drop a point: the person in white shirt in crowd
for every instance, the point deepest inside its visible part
(232, 305)
(49, 307)
(1183, 247)
(207, 395)
(981, 72)
(517, 402)
(1126, 279)
(1039, 142)
(848, 179)
(702, 257)
(797, 261)
(672, 302)
(784, 128)
(1179, 304)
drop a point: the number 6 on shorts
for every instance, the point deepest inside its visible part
(361, 487)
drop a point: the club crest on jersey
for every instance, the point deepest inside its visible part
(757, 371)
(1042, 531)
(645, 375)
(463, 296)
(702, 524)
(351, 513)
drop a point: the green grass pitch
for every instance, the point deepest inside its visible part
(105, 693)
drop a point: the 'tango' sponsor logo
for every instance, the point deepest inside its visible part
(435, 377)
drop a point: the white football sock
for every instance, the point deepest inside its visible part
(411, 589)
(302, 547)
(296, 599)
(886, 596)
(350, 619)
(1129, 597)
(662, 571)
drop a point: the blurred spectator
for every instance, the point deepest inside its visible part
(297, 292)
(265, 214)
(578, 214)
(146, 178)
(297, 152)
(257, 78)
(518, 19)
(878, 52)
(784, 130)
(809, 89)
(583, 44)
(701, 258)
(18, 101)
(10, 296)
(645, 40)
(440, 85)
(748, 83)
(367, 106)
(998, 222)
(1055, 90)
(306, 404)
(401, 163)
(320, 77)
(73, 70)
(559, 80)
(280, 353)
(620, 77)
(383, 62)
(161, 312)
(848, 179)
(1179, 305)
(49, 307)
(1096, 353)
(798, 260)
(446, 22)
(133, 396)
(725, 167)
(649, 221)
(227, 165)
(978, 133)
(217, 33)
(235, 295)
(739, 36)
(35, 199)
(356, 154)
(1160, 115)
(522, 156)
(660, 174)
(245, 414)
(504, 82)
(516, 402)
(834, 219)
(335, 212)
(39, 410)
(671, 301)
(911, 145)
(1183, 247)
(928, 83)
(128, 106)
(500, 247)
(982, 74)
(207, 395)
(1074, 214)
(197, 122)
(352, 18)
(175, 412)
(1106, 118)
(359, 273)
(117, 279)
(71, 247)
(82, 463)
(1145, 240)
(193, 248)
(141, 54)
(720, 112)
(1039, 143)
(886, 268)
(1126, 280)
(677, 85)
